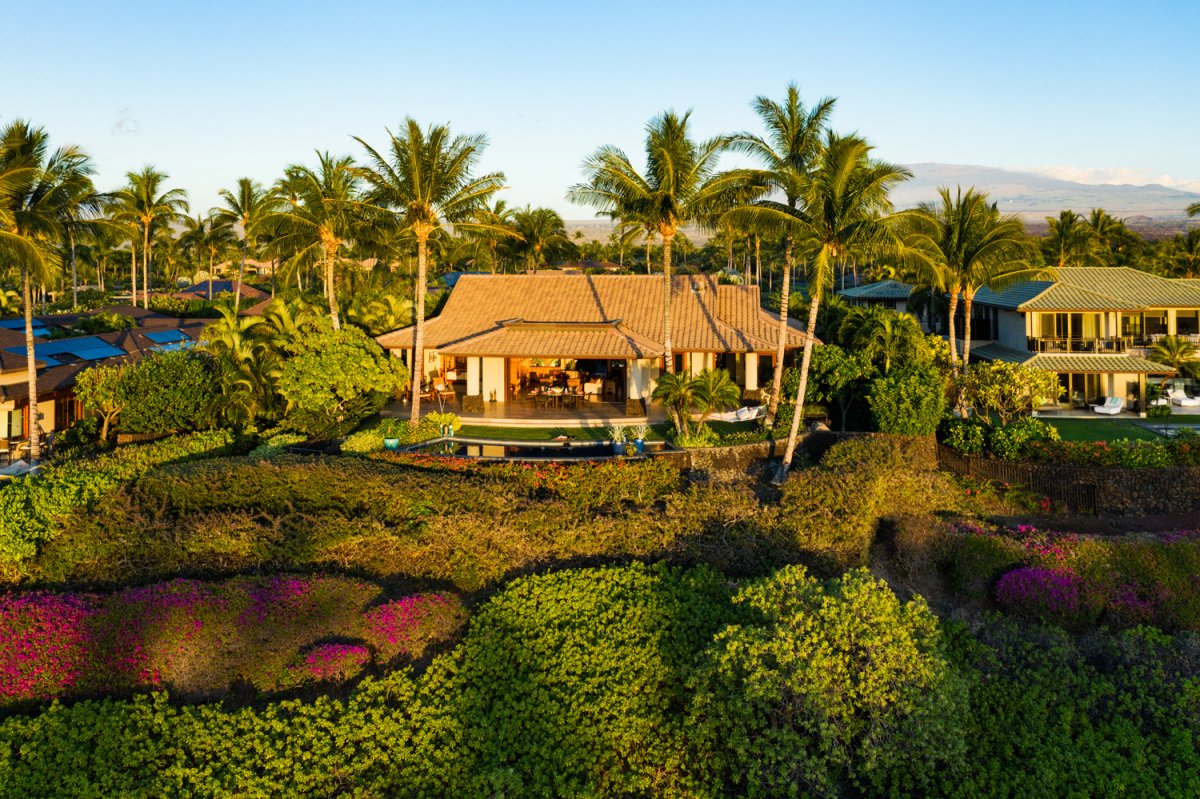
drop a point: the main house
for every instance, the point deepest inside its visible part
(1093, 327)
(554, 338)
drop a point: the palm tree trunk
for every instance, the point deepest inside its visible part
(237, 293)
(670, 352)
(35, 444)
(777, 378)
(805, 362)
(74, 269)
(210, 274)
(647, 253)
(330, 288)
(418, 359)
(968, 298)
(757, 260)
(145, 268)
(950, 330)
(133, 271)
(273, 263)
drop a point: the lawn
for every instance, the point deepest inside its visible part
(1112, 429)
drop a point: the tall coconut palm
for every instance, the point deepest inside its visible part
(208, 239)
(788, 152)
(80, 207)
(681, 185)
(1193, 209)
(962, 243)
(1178, 353)
(427, 180)
(321, 213)
(541, 231)
(498, 226)
(883, 336)
(35, 186)
(248, 206)
(149, 203)
(843, 213)
(1113, 238)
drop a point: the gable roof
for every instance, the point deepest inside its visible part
(1096, 288)
(880, 290)
(515, 314)
(1071, 362)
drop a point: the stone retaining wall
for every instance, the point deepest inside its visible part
(1090, 489)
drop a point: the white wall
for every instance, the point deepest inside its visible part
(473, 370)
(640, 378)
(751, 379)
(1011, 329)
(493, 379)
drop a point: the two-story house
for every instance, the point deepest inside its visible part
(1093, 327)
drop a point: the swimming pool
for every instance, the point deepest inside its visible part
(488, 449)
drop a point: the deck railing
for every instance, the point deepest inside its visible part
(1094, 345)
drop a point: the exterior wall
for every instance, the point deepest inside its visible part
(493, 379)
(751, 372)
(1012, 330)
(474, 369)
(433, 360)
(641, 376)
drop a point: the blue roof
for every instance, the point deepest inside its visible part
(69, 350)
(167, 336)
(39, 327)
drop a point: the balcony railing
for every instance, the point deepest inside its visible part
(1095, 345)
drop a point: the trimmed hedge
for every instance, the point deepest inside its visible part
(33, 509)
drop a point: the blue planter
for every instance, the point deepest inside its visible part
(391, 443)
(618, 448)
(640, 445)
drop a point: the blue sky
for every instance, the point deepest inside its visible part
(208, 92)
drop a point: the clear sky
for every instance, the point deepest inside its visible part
(208, 92)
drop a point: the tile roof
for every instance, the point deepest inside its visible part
(550, 340)
(1054, 362)
(705, 316)
(200, 290)
(1096, 288)
(881, 290)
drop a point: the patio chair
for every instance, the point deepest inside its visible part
(1178, 397)
(1111, 406)
(444, 391)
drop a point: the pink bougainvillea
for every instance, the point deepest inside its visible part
(44, 643)
(1049, 594)
(335, 661)
(405, 626)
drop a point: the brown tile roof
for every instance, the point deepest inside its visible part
(554, 339)
(705, 316)
(56, 378)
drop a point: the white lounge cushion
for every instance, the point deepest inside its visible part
(1111, 406)
(1181, 399)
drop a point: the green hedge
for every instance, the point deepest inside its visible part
(32, 509)
(649, 681)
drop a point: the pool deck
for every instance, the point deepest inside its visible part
(526, 414)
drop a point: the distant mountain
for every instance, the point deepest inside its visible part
(1033, 197)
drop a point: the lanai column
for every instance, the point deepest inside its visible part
(751, 368)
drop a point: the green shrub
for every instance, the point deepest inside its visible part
(1012, 440)
(702, 436)
(966, 436)
(838, 688)
(370, 439)
(32, 509)
(167, 393)
(908, 401)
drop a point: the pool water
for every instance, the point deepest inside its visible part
(523, 450)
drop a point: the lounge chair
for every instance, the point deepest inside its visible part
(1183, 400)
(1111, 406)
(741, 414)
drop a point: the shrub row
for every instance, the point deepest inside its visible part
(198, 638)
(32, 509)
(1029, 439)
(648, 681)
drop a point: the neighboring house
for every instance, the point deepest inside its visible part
(1093, 327)
(60, 361)
(504, 338)
(884, 294)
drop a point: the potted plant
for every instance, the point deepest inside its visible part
(616, 434)
(391, 433)
(638, 433)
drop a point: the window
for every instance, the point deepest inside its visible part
(14, 423)
(1187, 323)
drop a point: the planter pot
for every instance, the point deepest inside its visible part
(618, 448)
(391, 443)
(640, 445)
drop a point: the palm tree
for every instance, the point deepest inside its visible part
(1193, 209)
(208, 239)
(961, 244)
(883, 336)
(676, 394)
(427, 180)
(80, 206)
(843, 213)
(498, 223)
(247, 206)
(145, 201)
(714, 391)
(681, 185)
(1111, 235)
(1070, 242)
(788, 153)
(321, 212)
(1176, 352)
(35, 186)
(540, 231)
(1185, 252)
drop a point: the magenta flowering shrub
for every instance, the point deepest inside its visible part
(1055, 595)
(407, 626)
(44, 643)
(198, 637)
(335, 661)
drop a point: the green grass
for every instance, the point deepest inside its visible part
(1112, 429)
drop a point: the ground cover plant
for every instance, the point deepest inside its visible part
(200, 638)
